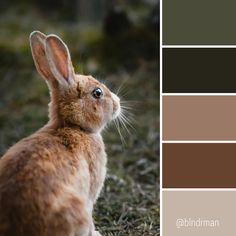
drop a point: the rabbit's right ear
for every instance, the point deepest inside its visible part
(59, 61)
(37, 43)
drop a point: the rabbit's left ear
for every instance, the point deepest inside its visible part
(59, 60)
(37, 44)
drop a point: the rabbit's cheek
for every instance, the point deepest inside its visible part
(106, 110)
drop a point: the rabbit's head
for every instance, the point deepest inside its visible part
(77, 100)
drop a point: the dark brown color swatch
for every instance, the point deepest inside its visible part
(199, 165)
(199, 117)
(199, 70)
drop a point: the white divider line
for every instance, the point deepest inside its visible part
(198, 141)
(198, 46)
(199, 94)
(160, 144)
(199, 189)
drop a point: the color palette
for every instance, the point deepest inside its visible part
(198, 117)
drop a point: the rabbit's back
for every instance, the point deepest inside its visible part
(46, 181)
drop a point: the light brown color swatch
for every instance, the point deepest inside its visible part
(188, 213)
(199, 117)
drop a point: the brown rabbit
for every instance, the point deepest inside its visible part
(50, 180)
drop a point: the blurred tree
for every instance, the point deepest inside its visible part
(64, 9)
(116, 20)
(91, 11)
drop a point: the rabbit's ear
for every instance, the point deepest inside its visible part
(59, 60)
(37, 44)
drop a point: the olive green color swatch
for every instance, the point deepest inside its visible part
(199, 22)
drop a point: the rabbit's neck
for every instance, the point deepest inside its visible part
(55, 119)
(75, 137)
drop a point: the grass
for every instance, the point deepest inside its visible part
(131, 189)
(129, 202)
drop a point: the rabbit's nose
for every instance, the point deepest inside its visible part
(115, 98)
(116, 105)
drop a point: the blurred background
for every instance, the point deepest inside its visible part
(118, 43)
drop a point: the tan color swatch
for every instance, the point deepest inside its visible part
(199, 117)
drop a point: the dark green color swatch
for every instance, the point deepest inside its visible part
(199, 22)
(199, 70)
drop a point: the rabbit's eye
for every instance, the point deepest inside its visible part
(97, 93)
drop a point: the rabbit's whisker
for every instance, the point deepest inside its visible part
(120, 87)
(123, 122)
(126, 107)
(130, 118)
(127, 120)
(130, 102)
(123, 93)
(119, 131)
(126, 124)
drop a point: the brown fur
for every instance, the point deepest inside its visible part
(50, 180)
